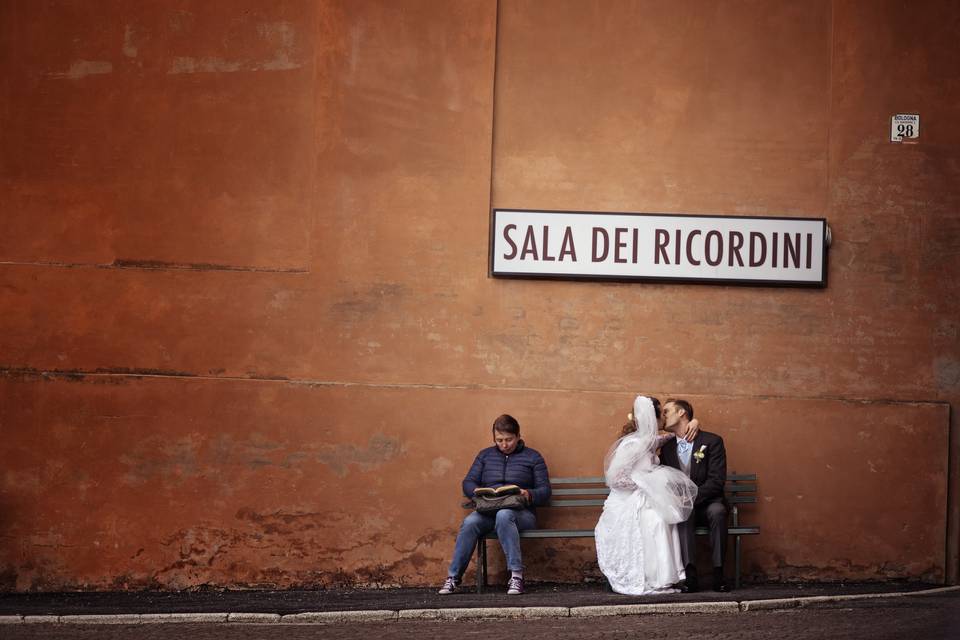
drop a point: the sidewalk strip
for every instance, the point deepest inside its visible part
(418, 614)
(124, 618)
(928, 592)
(544, 612)
(334, 617)
(768, 605)
(503, 613)
(262, 618)
(473, 613)
(170, 618)
(646, 609)
(810, 601)
(814, 600)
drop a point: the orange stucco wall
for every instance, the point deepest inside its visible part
(249, 338)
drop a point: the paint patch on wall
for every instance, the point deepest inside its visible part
(380, 449)
(129, 48)
(184, 64)
(440, 467)
(80, 69)
(946, 372)
(155, 457)
(376, 298)
(280, 35)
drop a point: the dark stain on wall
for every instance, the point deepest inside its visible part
(339, 457)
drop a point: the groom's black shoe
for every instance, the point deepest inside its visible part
(719, 582)
(690, 585)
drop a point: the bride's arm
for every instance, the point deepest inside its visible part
(617, 474)
(663, 438)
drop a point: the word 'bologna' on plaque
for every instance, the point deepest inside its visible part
(646, 246)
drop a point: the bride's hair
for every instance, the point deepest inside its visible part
(631, 426)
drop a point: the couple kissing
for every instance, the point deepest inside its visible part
(645, 536)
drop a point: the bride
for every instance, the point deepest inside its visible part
(638, 549)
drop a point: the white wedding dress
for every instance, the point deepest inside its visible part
(638, 549)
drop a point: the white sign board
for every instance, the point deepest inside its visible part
(641, 246)
(904, 126)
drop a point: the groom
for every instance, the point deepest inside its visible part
(705, 461)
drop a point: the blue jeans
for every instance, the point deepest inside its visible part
(508, 523)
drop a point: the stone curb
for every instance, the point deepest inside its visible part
(333, 617)
(768, 605)
(815, 600)
(811, 601)
(194, 618)
(933, 591)
(125, 618)
(339, 617)
(646, 609)
(544, 612)
(473, 613)
(268, 618)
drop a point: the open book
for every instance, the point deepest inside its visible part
(505, 490)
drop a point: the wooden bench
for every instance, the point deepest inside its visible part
(741, 488)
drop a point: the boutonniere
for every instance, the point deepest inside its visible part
(699, 454)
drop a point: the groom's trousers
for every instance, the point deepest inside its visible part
(714, 516)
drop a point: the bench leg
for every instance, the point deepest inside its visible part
(736, 561)
(481, 564)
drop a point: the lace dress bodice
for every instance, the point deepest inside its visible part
(626, 460)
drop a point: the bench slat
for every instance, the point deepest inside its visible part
(731, 531)
(549, 533)
(734, 480)
(735, 477)
(581, 492)
(557, 533)
(730, 488)
(589, 533)
(599, 502)
(582, 480)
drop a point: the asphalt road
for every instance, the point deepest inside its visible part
(933, 617)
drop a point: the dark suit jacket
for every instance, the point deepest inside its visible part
(710, 474)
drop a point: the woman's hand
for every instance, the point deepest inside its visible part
(693, 428)
(526, 496)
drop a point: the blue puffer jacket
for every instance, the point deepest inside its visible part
(524, 467)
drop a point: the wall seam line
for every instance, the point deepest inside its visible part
(76, 374)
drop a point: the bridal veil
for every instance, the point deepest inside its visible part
(632, 463)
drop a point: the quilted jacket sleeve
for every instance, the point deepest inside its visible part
(474, 475)
(541, 481)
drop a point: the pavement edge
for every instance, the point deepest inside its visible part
(465, 613)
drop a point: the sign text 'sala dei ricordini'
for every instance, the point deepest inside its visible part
(642, 246)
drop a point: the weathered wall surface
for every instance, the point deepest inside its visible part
(248, 326)
(170, 483)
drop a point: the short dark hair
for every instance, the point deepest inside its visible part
(682, 404)
(506, 424)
